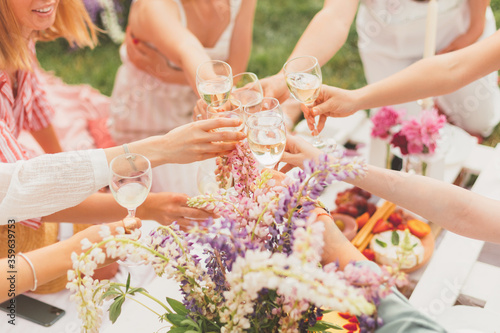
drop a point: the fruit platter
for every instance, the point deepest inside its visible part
(387, 234)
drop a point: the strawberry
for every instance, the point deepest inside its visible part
(381, 226)
(395, 219)
(369, 254)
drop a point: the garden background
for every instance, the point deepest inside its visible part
(278, 26)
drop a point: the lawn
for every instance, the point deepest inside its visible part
(278, 25)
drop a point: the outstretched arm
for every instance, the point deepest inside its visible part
(454, 208)
(433, 76)
(330, 26)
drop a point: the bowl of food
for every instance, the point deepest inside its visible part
(346, 223)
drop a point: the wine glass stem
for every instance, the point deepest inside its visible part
(131, 213)
(317, 140)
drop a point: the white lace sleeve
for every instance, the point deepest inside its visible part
(49, 183)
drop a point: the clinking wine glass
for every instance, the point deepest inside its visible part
(130, 180)
(266, 138)
(303, 78)
(269, 105)
(229, 108)
(247, 89)
(214, 80)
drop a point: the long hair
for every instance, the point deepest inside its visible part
(72, 22)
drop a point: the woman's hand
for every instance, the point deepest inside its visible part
(190, 143)
(146, 58)
(200, 110)
(167, 207)
(464, 40)
(275, 86)
(297, 151)
(334, 102)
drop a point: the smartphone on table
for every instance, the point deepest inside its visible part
(33, 310)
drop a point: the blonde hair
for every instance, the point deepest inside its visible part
(72, 22)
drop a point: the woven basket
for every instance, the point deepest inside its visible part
(28, 239)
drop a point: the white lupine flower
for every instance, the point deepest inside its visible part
(104, 232)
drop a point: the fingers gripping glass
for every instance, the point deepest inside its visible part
(303, 78)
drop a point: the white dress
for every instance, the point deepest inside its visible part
(391, 37)
(143, 105)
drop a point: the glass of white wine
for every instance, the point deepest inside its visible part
(214, 80)
(247, 89)
(229, 108)
(303, 78)
(270, 105)
(266, 138)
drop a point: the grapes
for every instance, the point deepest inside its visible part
(354, 202)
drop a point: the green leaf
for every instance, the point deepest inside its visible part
(395, 238)
(189, 322)
(413, 246)
(111, 292)
(379, 242)
(136, 290)
(176, 319)
(116, 308)
(322, 326)
(128, 283)
(177, 306)
(178, 330)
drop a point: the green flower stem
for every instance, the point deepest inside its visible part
(149, 296)
(388, 157)
(144, 305)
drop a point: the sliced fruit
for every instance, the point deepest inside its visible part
(418, 228)
(395, 219)
(362, 219)
(369, 254)
(381, 226)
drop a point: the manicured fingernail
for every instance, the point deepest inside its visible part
(135, 41)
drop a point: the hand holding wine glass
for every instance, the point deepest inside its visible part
(303, 78)
(230, 109)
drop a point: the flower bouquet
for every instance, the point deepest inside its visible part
(415, 138)
(259, 270)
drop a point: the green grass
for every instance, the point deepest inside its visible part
(278, 26)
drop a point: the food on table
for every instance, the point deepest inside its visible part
(397, 247)
(382, 226)
(418, 228)
(354, 202)
(340, 224)
(369, 254)
(362, 219)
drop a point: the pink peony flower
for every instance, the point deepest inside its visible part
(384, 120)
(422, 134)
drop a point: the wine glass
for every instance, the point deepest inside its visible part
(266, 138)
(214, 80)
(247, 89)
(229, 108)
(130, 181)
(303, 78)
(269, 105)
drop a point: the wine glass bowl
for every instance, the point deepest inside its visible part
(247, 89)
(269, 105)
(229, 108)
(214, 80)
(130, 180)
(266, 138)
(303, 78)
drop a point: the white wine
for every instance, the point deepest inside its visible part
(247, 97)
(131, 195)
(215, 90)
(267, 145)
(304, 87)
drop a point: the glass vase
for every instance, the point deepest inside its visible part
(415, 164)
